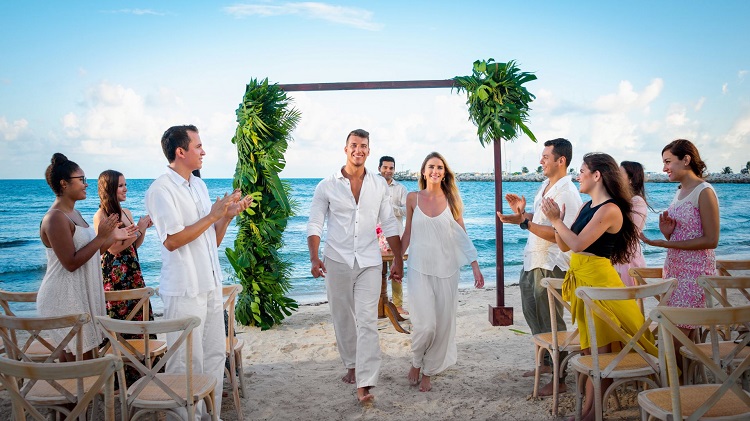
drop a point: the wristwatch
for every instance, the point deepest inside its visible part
(525, 224)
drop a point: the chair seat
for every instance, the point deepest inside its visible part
(725, 347)
(152, 396)
(544, 340)
(42, 392)
(658, 402)
(631, 365)
(158, 348)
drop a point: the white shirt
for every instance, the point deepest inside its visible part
(174, 203)
(397, 192)
(351, 226)
(540, 253)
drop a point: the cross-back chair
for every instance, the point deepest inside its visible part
(98, 374)
(724, 267)
(21, 334)
(37, 350)
(640, 275)
(234, 347)
(155, 391)
(724, 399)
(632, 363)
(143, 295)
(554, 342)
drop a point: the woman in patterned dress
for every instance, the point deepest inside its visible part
(690, 226)
(119, 263)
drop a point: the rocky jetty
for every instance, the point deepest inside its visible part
(538, 177)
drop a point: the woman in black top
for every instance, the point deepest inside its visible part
(601, 235)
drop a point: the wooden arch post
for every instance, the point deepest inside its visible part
(499, 315)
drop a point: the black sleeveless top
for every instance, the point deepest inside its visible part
(604, 245)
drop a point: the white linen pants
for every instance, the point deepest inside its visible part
(209, 341)
(353, 296)
(434, 302)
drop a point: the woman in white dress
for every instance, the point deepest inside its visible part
(73, 282)
(439, 247)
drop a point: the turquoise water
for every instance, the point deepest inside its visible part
(24, 202)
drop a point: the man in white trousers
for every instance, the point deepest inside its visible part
(190, 229)
(353, 200)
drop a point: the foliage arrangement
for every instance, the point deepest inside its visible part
(498, 102)
(265, 122)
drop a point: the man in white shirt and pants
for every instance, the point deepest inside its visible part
(190, 229)
(541, 256)
(397, 192)
(353, 200)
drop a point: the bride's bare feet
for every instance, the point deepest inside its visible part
(424, 385)
(413, 376)
(364, 395)
(350, 377)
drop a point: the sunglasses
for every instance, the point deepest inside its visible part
(80, 177)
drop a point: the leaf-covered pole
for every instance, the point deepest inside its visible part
(499, 107)
(265, 121)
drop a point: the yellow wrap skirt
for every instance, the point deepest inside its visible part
(594, 271)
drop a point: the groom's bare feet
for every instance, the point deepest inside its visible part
(424, 385)
(413, 376)
(364, 395)
(350, 377)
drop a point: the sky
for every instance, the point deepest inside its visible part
(101, 81)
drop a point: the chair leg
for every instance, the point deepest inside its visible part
(580, 387)
(537, 366)
(598, 398)
(233, 383)
(240, 365)
(555, 380)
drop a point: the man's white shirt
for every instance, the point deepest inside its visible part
(351, 226)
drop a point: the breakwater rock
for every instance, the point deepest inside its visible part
(537, 177)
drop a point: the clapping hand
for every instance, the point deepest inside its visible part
(551, 210)
(667, 224)
(239, 206)
(517, 205)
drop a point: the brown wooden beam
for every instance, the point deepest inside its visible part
(349, 86)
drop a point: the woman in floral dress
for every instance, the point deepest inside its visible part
(120, 267)
(690, 226)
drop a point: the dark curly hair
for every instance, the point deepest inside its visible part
(682, 147)
(60, 168)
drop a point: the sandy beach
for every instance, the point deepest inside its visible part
(293, 372)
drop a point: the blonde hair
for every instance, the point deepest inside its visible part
(447, 185)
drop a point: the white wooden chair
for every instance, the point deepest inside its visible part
(37, 351)
(640, 275)
(155, 391)
(50, 394)
(79, 382)
(554, 342)
(234, 347)
(632, 363)
(723, 399)
(143, 295)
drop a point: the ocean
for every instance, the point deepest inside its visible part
(23, 203)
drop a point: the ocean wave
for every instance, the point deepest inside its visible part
(15, 243)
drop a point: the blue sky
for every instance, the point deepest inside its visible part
(100, 81)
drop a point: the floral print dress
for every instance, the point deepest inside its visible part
(122, 272)
(688, 265)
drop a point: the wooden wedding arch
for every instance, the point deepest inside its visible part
(499, 315)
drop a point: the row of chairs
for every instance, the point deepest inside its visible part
(29, 372)
(631, 363)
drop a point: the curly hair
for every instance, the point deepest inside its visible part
(107, 186)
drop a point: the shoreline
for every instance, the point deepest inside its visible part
(713, 178)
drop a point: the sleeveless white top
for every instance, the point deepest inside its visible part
(439, 246)
(63, 292)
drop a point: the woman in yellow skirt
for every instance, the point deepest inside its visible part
(603, 234)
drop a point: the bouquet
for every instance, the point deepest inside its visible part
(381, 239)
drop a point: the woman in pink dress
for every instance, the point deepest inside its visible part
(632, 172)
(690, 225)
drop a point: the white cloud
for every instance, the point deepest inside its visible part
(741, 75)
(725, 88)
(699, 104)
(11, 130)
(349, 16)
(137, 12)
(626, 98)
(677, 117)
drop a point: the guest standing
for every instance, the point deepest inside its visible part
(397, 193)
(634, 176)
(690, 225)
(353, 200)
(73, 281)
(190, 229)
(120, 267)
(602, 234)
(439, 247)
